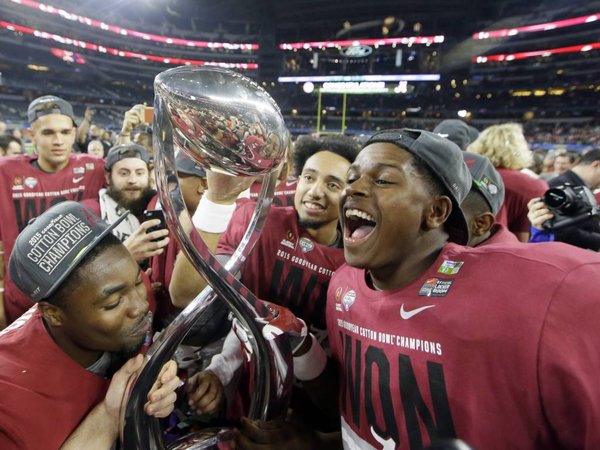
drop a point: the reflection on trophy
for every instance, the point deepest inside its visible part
(226, 123)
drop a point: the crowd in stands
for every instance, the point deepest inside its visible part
(428, 278)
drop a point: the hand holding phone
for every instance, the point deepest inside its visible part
(155, 214)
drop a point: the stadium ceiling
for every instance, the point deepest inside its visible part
(319, 19)
(296, 20)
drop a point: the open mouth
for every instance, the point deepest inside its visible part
(358, 225)
(312, 206)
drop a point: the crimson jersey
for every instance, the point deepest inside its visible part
(454, 354)
(520, 188)
(499, 235)
(286, 266)
(44, 394)
(26, 192)
(283, 194)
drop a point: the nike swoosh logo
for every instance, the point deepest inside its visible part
(77, 180)
(413, 312)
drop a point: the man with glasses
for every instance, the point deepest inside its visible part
(30, 184)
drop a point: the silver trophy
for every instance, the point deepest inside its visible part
(225, 122)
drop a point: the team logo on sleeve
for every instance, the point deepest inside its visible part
(450, 267)
(435, 287)
(348, 300)
(289, 240)
(31, 182)
(306, 244)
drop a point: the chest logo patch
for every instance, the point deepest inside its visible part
(306, 244)
(289, 240)
(435, 287)
(31, 182)
(348, 299)
(450, 267)
(78, 170)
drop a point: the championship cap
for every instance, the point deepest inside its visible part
(186, 165)
(52, 245)
(486, 180)
(49, 104)
(473, 134)
(444, 158)
(124, 151)
(455, 130)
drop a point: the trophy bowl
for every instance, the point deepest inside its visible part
(223, 119)
(227, 123)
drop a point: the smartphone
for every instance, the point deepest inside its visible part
(148, 114)
(155, 214)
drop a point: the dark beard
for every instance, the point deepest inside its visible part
(135, 207)
(311, 224)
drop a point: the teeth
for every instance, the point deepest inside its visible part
(361, 214)
(313, 205)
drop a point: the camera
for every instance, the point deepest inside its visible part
(571, 205)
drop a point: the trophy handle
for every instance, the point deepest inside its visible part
(272, 358)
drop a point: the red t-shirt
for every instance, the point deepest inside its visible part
(286, 266)
(26, 192)
(283, 194)
(520, 188)
(499, 236)
(457, 354)
(44, 394)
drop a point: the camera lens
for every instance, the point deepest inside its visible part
(555, 198)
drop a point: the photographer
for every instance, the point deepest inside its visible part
(575, 184)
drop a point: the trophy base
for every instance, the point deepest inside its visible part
(208, 439)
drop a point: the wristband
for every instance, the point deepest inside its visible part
(212, 217)
(310, 365)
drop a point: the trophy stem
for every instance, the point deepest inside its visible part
(273, 359)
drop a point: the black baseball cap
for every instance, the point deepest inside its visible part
(124, 151)
(186, 165)
(455, 130)
(486, 180)
(444, 158)
(52, 245)
(49, 104)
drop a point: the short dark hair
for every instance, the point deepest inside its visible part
(59, 296)
(475, 203)
(590, 157)
(306, 146)
(6, 139)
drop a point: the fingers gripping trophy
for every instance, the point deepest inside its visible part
(211, 114)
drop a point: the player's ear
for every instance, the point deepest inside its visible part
(202, 185)
(437, 212)
(482, 223)
(53, 314)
